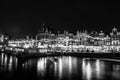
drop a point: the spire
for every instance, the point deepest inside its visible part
(101, 31)
(85, 31)
(77, 32)
(64, 31)
(46, 30)
(58, 32)
(101, 34)
(42, 28)
(114, 29)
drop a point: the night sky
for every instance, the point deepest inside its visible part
(25, 17)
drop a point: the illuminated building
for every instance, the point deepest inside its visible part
(4, 38)
(115, 37)
(107, 40)
(94, 34)
(44, 33)
(68, 42)
(82, 37)
(101, 35)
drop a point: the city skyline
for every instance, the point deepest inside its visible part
(71, 29)
(26, 17)
(59, 40)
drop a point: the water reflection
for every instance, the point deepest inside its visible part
(116, 71)
(41, 67)
(61, 68)
(7, 63)
(98, 70)
(60, 71)
(87, 71)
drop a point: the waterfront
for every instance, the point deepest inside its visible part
(58, 68)
(46, 42)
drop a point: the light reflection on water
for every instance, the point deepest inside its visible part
(41, 67)
(60, 68)
(7, 63)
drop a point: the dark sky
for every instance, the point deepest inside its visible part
(25, 17)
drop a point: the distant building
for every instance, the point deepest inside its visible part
(101, 42)
(66, 40)
(44, 33)
(82, 37)
(94, 34)
(107, 40)
(115, 37)
(4, 38)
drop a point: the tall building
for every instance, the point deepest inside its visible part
(101, 40)
(82, 37)
(44, 33)
(107, 40)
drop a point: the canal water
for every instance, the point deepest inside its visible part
(58, 68)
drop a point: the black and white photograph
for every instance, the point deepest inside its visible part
(59, 40)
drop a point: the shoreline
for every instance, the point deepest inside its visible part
(82, 55)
